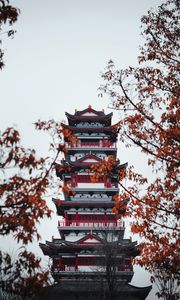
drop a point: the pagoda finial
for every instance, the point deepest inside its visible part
(89, 106)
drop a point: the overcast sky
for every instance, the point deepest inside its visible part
(54, 62)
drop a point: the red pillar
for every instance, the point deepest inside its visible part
(76, 263)
(77, 219)
(60, 263)
(66, 219)
(109, 182)
(105, 218)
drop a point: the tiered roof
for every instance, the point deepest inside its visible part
(89, 242)
(62, 205)
(89, 114)
(82, 163)
(90, 215)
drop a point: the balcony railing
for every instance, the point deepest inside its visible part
(91, 145)
(95, 224)
(73, 269)
(85, 199)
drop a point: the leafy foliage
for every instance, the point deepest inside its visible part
(24, 185)
(23, 277)
(8, 16)
(148, 98)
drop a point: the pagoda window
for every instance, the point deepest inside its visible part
(83, 178)
(106, 143)
(111, 218)
(69, 268)
(90, 143)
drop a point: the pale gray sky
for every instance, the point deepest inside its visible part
(54, 62)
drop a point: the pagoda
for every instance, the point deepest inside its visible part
(91, 259)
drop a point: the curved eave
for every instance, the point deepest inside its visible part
(108, 129)
(51, 248)
(141, 292)
(75, 166)
(61, 206)
(107, 150)
(80, 117)
(45, 249)
(84, 203)
(122, 166)
(128, 249)
(89, 109)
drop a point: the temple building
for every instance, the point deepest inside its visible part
(91, 259)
